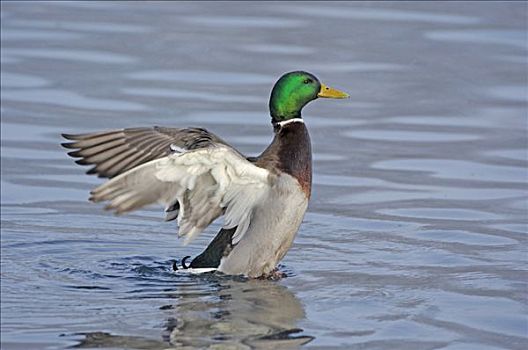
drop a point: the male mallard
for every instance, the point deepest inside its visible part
(199, 177)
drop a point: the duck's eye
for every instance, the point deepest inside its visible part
(308, 81)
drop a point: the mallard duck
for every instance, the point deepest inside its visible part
(199, 177)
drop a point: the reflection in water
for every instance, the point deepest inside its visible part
(236, 313)
(107, 340)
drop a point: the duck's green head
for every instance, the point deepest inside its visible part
(293, 91)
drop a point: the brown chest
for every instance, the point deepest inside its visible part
(291, 152)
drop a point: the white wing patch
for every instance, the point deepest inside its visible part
(177, 149)
(206, 182)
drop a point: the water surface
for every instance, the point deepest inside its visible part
(416, 233)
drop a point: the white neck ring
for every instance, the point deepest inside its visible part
(293, 120)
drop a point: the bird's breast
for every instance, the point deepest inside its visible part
(273, 227)
(295, 154)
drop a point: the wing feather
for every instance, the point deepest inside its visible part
(205, 183)
(114, 152)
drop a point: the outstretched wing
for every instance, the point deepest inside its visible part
(205, 182)
(114, 152)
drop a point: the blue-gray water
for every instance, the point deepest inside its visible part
(416, 232)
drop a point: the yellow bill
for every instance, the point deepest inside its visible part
(329, 92)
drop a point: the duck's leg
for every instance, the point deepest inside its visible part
(219, 246)
(274, 275)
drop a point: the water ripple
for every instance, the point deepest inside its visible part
(66, 98)
(492, 37)
(416, 233)
(409, 136)
(458, 169)
(244, 22)
(442, 214)
(17, 80)
(204, 77)
(76, 55)
(90, 27)
(28, 34)
(378, 14)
